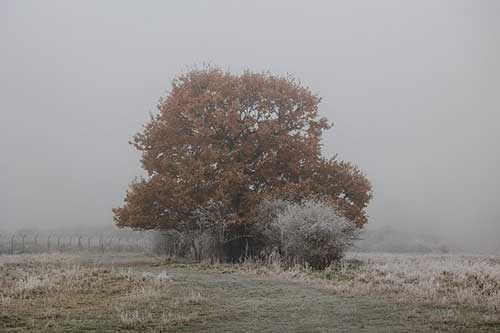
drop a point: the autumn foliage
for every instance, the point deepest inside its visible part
(235, 140)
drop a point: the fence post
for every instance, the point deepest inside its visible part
(59, 243)
(88, 242)
(101, 244)
(80, 242)
(12, 244)
(23, 237)
(48, 243)
(35, 246)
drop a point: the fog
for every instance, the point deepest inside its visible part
(412, 87)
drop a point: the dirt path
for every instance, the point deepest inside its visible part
(245, 303)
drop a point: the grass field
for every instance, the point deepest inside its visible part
(130, 292)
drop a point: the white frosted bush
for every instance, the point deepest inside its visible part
(313, 232)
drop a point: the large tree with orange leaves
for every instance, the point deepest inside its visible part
(235, 140)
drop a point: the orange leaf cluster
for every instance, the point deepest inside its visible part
(235, 140)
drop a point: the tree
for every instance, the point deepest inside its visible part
(231, 141)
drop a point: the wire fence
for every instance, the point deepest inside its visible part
(16, 243)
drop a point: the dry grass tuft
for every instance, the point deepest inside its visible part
(192, 298)
(130, 318)
(5, 301)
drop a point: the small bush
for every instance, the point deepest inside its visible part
(170, 242)
(263, 228)
(313, 233)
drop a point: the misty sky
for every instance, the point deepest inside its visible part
(412, 87)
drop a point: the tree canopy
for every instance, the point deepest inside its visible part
(235, 140)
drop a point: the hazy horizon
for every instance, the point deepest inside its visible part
(412, 89)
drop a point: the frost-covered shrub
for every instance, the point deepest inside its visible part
(313, 232)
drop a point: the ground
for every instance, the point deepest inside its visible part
(130, 292)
